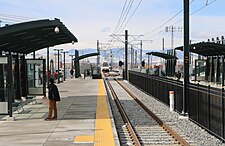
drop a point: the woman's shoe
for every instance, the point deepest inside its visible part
(47, 119)
(54, 118)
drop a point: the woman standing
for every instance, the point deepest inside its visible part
(53, 96)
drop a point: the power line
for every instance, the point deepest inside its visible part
(120, 16)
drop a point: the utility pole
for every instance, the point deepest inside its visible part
(172, 29)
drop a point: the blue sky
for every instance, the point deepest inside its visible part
(92, 20)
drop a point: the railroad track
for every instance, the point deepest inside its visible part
(137, 125)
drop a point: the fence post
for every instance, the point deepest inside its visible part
(222, 113)
(209, 106)
(198, 103)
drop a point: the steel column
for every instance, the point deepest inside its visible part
(10, 84)
(23, 70)
(17, 77)
(58, 69)
(2, 94)
(44, 77)
(64, 65)
(48, 70)
(76, 64)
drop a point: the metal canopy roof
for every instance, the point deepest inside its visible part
(162, 55)
(31, 36)
(206, 49)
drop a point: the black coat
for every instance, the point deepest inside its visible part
(53, 92)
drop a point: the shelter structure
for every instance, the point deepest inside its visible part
(20, 77)
(210, 64)
(169, 64)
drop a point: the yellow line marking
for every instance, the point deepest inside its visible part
(84, 139)
(103, 132)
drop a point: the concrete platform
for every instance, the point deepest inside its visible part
(76, 124)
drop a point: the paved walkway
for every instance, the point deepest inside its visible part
(77, 114)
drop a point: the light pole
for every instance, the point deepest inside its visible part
(58, 64)
(64, 62)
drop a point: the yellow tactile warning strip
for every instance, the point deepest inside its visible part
(103, 128)
(84, 139)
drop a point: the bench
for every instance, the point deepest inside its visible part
(17, 105)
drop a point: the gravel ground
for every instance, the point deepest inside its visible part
(182, 125)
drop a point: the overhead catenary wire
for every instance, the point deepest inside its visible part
(14, 16)
(9, 18)
(125, 14)
(121, 15)
(164, 22)
(125, 21)
(132, 13)
(207, 4)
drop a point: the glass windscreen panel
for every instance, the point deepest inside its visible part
(3, 85)
(35, 76)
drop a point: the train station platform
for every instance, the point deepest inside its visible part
(84, 119)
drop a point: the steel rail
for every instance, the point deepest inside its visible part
(124, 116)
(178, 138)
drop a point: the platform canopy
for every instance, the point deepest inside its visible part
(162, 55)
(206, 48)
(31, 36)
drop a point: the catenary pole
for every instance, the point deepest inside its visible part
(126, 51)
(186, 57)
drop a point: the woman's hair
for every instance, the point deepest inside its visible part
(51, 80)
